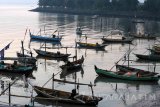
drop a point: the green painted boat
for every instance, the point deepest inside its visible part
(125, 75)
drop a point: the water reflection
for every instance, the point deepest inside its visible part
(55, 103)
(129, 83)
(71, 73)
(45, 42)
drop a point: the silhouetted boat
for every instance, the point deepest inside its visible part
(90, 45)
(144, 36)
(51, 54)
(67, 97)
(150, 57)
(73, 65)
(121, 40)
(26, 59)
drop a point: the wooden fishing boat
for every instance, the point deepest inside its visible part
(15, 68)
(73, 65)
(53, 38)
(126, 75)
(67, 97)
(121, 40)
(90, 45)
(150, 57)
(51, 54)
(144, 36)
(26, 59)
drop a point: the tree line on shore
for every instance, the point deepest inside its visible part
(115, 5)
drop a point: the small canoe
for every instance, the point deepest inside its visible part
(65, 97)
(150, 57)
(90, 45)
(51, 54)
(111, 40)
(125, 75)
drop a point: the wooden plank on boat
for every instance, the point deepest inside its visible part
(59, 47)
(72, 82)
(17, 58)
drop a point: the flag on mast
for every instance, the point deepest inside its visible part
(3, 49)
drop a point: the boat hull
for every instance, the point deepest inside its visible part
(150, 57)
(62, 96)
(107, 40)
(75, 65)
(42, 38)
(124, 77)
(90, 46)
(51, 54)
(8, 68)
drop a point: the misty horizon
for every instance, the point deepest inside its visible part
(26, 1)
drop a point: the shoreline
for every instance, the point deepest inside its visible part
(123, 14)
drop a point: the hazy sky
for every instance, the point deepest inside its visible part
(18, 1)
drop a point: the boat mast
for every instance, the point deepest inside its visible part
(45, 46)
(92, 90)
(128, 55)
(22, 48)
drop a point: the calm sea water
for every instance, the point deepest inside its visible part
(14, 20)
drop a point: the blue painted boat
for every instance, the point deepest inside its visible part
(53, 38)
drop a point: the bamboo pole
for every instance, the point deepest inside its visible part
(92, 90)
(64, 81)
(53, 81)
(9, 94)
